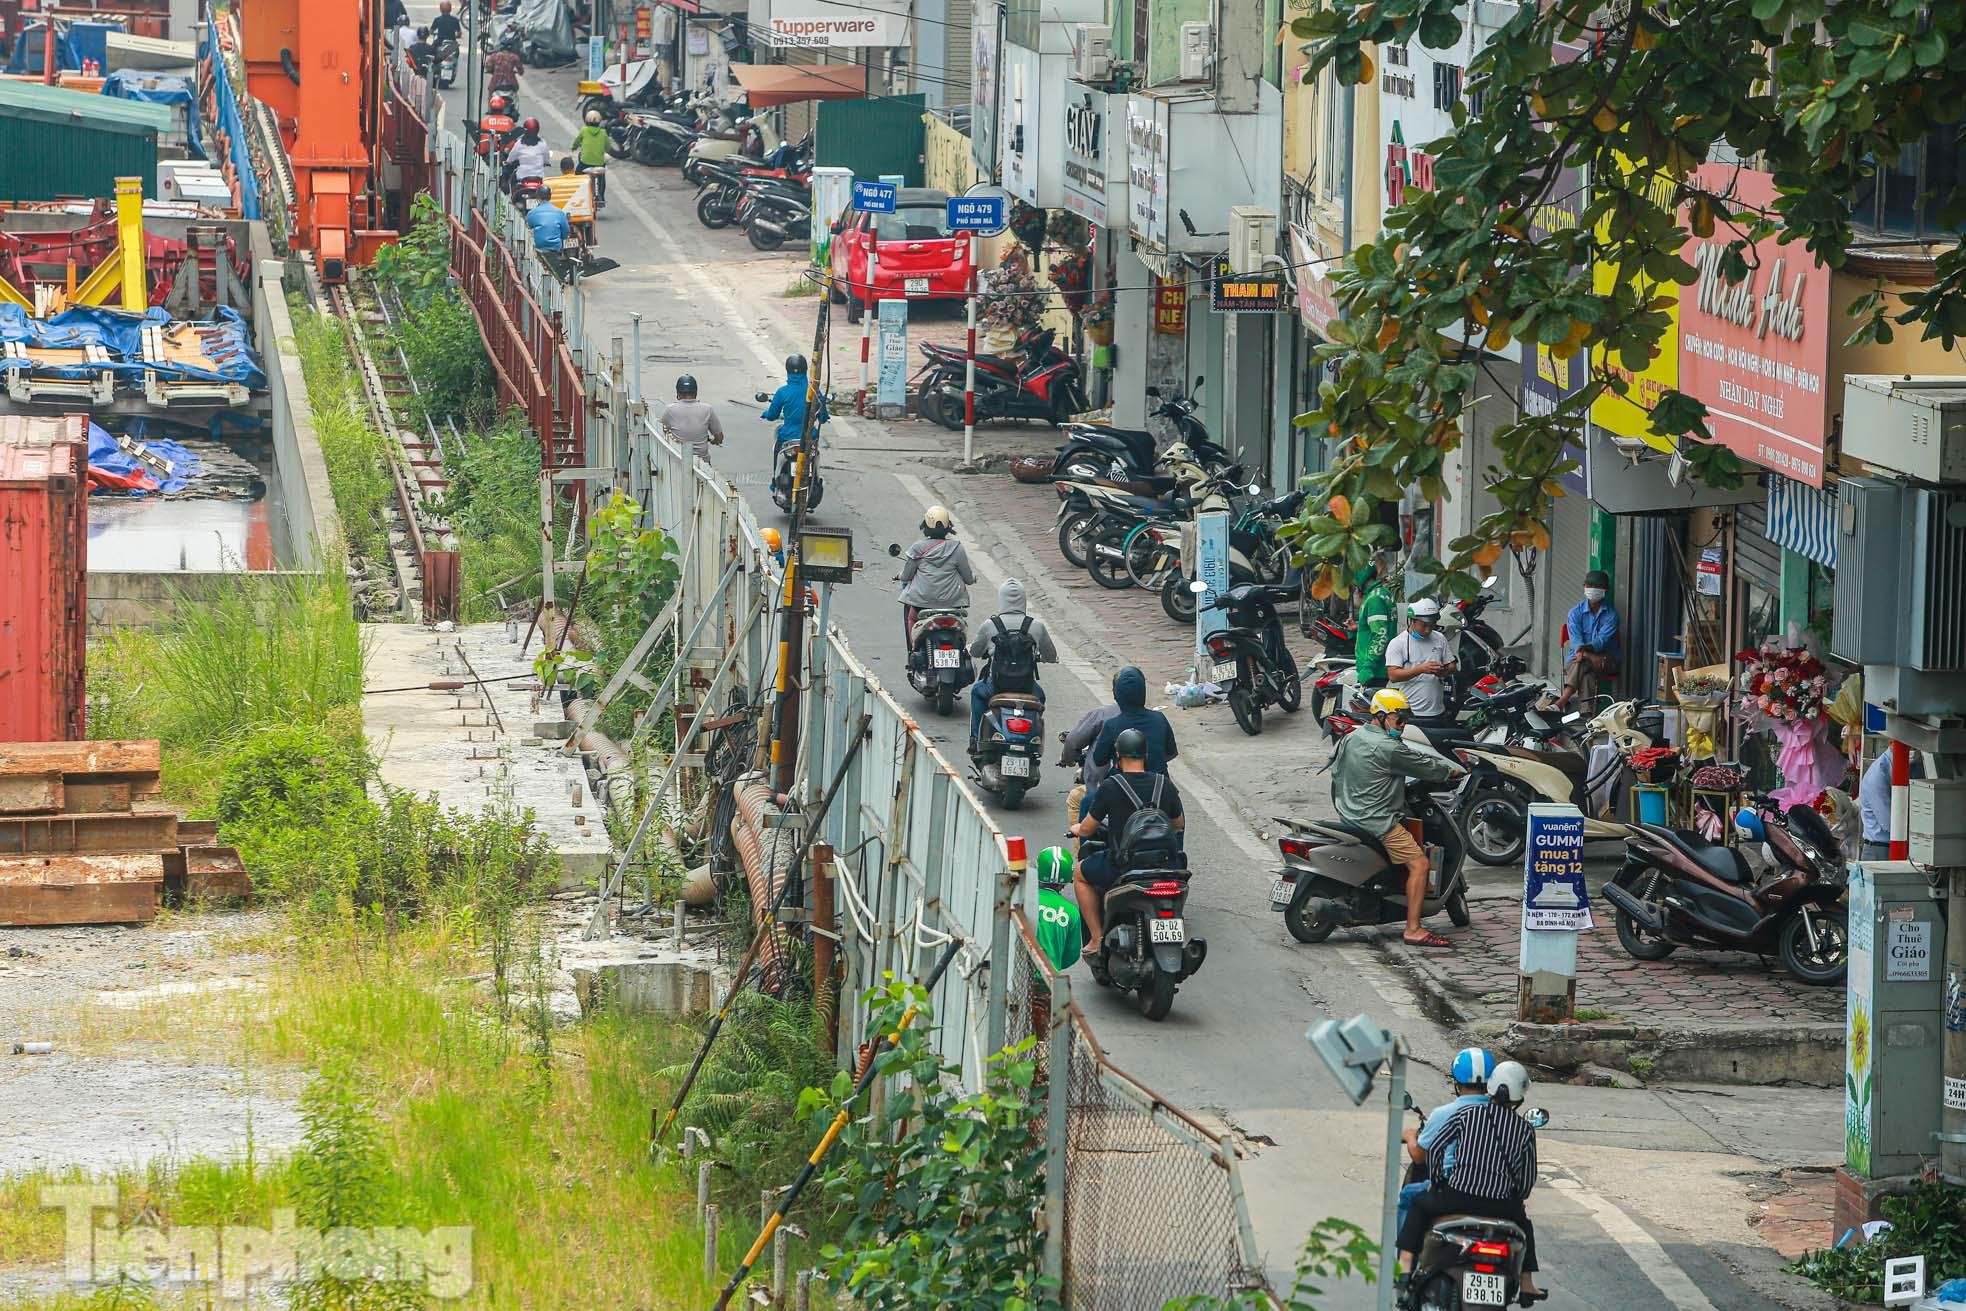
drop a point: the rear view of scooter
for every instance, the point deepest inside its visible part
(1337, 875)
(1470, 1261)
(1005, 757)
(1147, 949)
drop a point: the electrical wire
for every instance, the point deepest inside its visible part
(823, 280)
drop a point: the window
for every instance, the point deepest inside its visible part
(1904, 197)
(921, 223)
(1333, 106)
(1021, 21)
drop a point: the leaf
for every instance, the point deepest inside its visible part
(1341, 510)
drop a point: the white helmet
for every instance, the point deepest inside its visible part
(1424, 608)
(1509, 1084)
(594, 116)
(937, 516)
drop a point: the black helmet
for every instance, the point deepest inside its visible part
(1131, 744)
(795, 366)
(686, 385)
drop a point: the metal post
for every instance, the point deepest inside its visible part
(1952, 1119)
(1395, 1171)
(635, 344)
(1058, 1098)
(969, 364)
(546, 616)
(1002, 967)
(802, 1297)
(867, 321)
(1900, 801)
(710, 1242)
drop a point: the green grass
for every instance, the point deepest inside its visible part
(494, 506)
(356, 454)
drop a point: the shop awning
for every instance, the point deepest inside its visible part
(766, 85)
(1803, 518)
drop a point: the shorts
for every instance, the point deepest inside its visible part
(1399, 844)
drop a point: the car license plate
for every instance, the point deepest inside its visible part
(1016, 766)
(1168, 930)
(911, 286)
(947, 657)
(1225, 670)
(1483, 1290)
(1281, 890)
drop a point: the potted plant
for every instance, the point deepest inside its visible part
(1098, 319)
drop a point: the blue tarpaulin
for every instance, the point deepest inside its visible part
(33, 42)
(226, 107)
(164, 89)
(107, 455)
(120, 333)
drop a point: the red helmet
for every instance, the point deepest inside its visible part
(499, 104)
(532, 125)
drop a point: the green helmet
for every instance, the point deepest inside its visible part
(1054, 866)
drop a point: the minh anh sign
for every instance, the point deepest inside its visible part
(1756, 352)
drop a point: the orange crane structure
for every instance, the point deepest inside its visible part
(319, 65)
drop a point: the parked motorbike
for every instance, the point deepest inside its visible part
(1146, 949)
(1127, 455)
(1252, 659)
(1037, 381)
(1005, 759)
(1256, 554)
(752, 137)
(1509, 776)
(1467, 1261)
(1679, 890)
(1336, 875)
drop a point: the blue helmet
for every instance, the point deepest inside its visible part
(1472, 1066)
(1748, 821)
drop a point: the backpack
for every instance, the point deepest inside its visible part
(1148, 841)
(1013, 658)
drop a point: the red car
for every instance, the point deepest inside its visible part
(919, 258)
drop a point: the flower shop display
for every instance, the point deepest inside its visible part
(1787, 691)
(1702, 696)
(1009, 300)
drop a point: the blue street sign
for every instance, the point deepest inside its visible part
(875, 197)
(984, 214)
(1873, 718)
(1212, 568)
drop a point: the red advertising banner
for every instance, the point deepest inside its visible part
(1756, 351)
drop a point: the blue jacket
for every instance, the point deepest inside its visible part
(1130, 695)
(788, 406)
(1597, 631)
(549, 226)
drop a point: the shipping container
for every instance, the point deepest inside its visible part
(65, 144)
(44, 608)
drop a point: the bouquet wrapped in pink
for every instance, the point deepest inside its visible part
(1787, 691)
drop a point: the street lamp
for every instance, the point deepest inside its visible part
(826, 554)
(1353, 1051)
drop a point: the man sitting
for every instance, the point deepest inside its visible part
(1130, 789)
(1483, 1163)
(1015, 644)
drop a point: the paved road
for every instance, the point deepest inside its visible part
(1613, 1221)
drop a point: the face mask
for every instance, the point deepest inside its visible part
(1593, 594)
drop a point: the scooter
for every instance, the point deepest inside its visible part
(1336, 875)
(938, 656)
(1679, 890)
(781, 478)
(1468, 1261)
(773, 212)
(1256, 554)
(1252, 659)
(1146, 949)
(752, 137)
(1126, 455)
(1507, 777)
(446, 62)
(1005, 759)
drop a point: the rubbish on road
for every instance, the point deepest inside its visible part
(1192, 695)
(33, 1048)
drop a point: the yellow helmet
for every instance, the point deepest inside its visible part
(1387, 701)
(772, 540)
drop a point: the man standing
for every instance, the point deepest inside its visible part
(1376, 624)
(1594, 643)
(1368, 789)
(1418, 658)
(1131, 788)
(692, 422)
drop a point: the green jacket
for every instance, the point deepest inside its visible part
(1369, 774)
(1376, 626)
(1058, 929)
(592, 145)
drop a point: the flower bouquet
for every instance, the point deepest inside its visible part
(1787, 691)
(1702, 697)
(1009, 300)
(1072, 275)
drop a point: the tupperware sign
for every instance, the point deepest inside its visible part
(825, 24)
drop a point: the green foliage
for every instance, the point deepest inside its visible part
(631, 572)
(439, 338)
(344, 1182)
(416, 267)
(1928, 1221)
(292, 776)
(494, 506)
(1334, 1249)
(356, 454)
(944, 1193)
(1667, 83)
(746, 1097)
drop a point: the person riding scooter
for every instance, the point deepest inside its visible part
(1015, 643)
(1130, 695)
(591, 149)
(1059, 927)
(1130, 788)
(445, 26)
(529, 157)
(788, 408)
(1483, 1163)
(935, 572)
(1368, 788)
(1470, 1071)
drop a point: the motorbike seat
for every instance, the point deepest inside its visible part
(1015, 701)
(1717, 858)
(1569, 762)
(1365, 835)
(1137, 440)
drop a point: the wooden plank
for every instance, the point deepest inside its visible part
(44, 835)
(97, 903)
(26, 793)
(71, 871)
(94, 798)
(145, 757)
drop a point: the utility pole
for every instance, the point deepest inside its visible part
(792, 603)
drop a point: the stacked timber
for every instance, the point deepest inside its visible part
(84, 841)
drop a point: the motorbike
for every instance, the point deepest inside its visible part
(1126, 455)
(751, 137)
(1467, 1261)
(938, 655)
(726, 186)
(772, 210)
(1146, 949)
(1336, 875)
(1252, 659)
(1508, 775)
(1005, 759)
(1474, 640)
(446, 64)
(1100, 524)
(1677, 889)
(1256, 554)
(1037, 381)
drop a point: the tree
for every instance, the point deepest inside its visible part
(1818, 92)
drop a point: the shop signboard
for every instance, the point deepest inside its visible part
(1630, 415)
(983, 54)
(1230, 292)
(1147, 169)
(1170, 306)
(1756, 352)
(1186, 165)
(1859, 1011)
(1554, 897)
(1094, 164)
(838, 25)
(1317, 300)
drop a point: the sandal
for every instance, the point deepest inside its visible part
(1427, 938)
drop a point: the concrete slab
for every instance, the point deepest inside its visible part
(473, 748)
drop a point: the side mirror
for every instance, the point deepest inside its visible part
(1199, 380)
(1537, 1117)
(894, 549)
(1407, 1099)
(760, 395)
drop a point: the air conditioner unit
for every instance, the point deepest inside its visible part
(1900, 563)
(1197, 52)
(1912, 426)
(1092, 54)
(1252, 238)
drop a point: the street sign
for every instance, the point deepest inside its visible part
(875, 197)
(891, 376)
(597, 57)
(1231, 292)
(1553, 891)
(1211, 568)
(980, 214)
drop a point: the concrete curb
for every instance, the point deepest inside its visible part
(1690, 1053)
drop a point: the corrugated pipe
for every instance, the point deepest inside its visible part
(767, 854)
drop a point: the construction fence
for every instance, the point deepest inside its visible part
(1144, 1202)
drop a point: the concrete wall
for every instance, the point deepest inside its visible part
(314, 529)
(147, 600)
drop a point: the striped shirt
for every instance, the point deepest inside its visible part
(1494, 1151)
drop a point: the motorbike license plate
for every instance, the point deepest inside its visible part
(1016, 766)
(1483, 1290)
(1280, 893)
(1167, 930)
(1225, 671)
(946, 657)
(914, 286)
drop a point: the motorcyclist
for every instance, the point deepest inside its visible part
(1060, 928)
(1130, 695)
(1077, 744)
(445, 26)
(1469, 1073)
(935, 572)
(530, 156)
(1483, 1163)
(550, 229)
(1011, 627)
(503, 67)
(1129, 788)
(788, 407)
(692, 422)
(1368, 787)
(421, 51)
(591, 147)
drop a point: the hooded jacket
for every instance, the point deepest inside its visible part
(936, 575)
(1130, 695)
(1010, 609)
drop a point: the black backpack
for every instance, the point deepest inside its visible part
(1014, 658)
(1148, 841)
